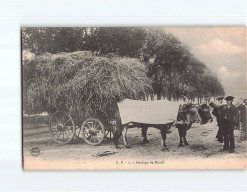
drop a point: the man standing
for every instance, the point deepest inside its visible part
(217, 113)
(230, 122)
(243, 120)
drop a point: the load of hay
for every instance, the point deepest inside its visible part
(81, 83)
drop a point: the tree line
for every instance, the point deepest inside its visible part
(172, 68)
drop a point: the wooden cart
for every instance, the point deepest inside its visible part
(63, 129)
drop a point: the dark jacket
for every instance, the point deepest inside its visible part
(228, 117)
(217, 112)
(231, 117)
(242, 114)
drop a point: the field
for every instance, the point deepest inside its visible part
(203, 148)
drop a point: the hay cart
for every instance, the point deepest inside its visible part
(64, 128)
(53, 82)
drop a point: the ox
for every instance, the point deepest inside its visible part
(160, 114)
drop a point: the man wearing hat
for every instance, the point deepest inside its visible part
(228, 115)
(243, 119)
(217, 113)
(230, 122)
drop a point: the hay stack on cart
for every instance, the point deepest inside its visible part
(79, 90)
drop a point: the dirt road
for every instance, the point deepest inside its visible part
(201, 138)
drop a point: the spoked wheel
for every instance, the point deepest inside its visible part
(62, 127)
(93, 131)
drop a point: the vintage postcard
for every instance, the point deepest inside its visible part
(134, 98)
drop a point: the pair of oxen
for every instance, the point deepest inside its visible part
(160, 114)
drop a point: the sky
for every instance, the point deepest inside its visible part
(222, 49)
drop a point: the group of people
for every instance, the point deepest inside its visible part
(229, 118)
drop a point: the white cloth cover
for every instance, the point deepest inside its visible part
(148, 112)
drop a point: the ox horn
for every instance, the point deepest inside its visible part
(186, 99)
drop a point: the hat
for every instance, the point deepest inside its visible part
(229, 98)
(220, 98)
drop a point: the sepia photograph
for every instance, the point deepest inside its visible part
(134, 98)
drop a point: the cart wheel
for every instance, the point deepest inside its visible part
(78, 133)
(62, 127)
(93, 131)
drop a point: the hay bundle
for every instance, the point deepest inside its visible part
(81, 83)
